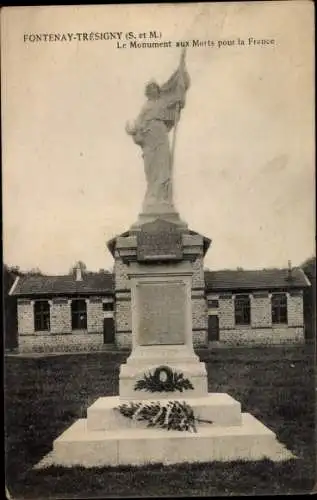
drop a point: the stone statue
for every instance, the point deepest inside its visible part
(150, 131)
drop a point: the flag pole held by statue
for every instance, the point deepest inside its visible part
(177, 113)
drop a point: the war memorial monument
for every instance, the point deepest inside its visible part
(164, 412)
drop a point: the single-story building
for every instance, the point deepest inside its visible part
(89, 311)
(65, 313)
(256, 307)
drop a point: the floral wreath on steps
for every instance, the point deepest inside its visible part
(171, 415)
(163, 379)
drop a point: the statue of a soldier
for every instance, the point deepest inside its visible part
(150, 131)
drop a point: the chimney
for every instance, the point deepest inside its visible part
(79, 276)
(289, 271)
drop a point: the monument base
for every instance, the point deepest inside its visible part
(145, 359)
(155, 212)
(108, 438)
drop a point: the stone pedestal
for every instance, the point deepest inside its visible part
(160, 257)
(166, 212)
(108, 438)
(161, 327)
(156, 238)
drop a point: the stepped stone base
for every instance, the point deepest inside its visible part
(106, 438)
(221, 409)
(129, 375)
(144, 360)
(161, 265)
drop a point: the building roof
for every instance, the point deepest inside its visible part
(91, 283)
(263, 279)
(215, 281)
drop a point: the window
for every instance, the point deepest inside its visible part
(41, 315)
(279, 308)
(242, 310)
(107, 306)
(213, 303)
(79, 314)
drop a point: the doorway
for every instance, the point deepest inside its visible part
(108, 331)
(213, 328)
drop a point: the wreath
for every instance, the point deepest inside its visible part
(173, 415)
(164, 379)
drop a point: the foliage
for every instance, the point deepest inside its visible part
(174, 415)
(9, 275)
(309, 267)
(163, 380)
(79, 264)
(35, 271)
(11, 272)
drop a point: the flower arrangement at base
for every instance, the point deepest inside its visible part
(174, 415)
(163, 379)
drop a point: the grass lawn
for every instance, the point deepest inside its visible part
(44, 396)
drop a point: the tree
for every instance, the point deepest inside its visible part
(104, 271)
(35, 271)
(14, 270)
(79, 264)
(10, 274)
(309, 268)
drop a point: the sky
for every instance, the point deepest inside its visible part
(244, 159)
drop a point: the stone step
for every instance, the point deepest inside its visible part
(78, 445)
(194, 371)
(127, 391)
(219, 408)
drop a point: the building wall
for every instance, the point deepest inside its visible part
(199, 304)
(198, 279)
(78, 342)
(226, 311)
(124, 340)
(123, 314)
(60, 316)
(199, 312)
(94, 315)
(261, 330)
(25, 317)
(200, 338)
(263, 336)
(199, 318)
(123, 319)
(261, 315)
(60, 337)
(121, 274)
(295, 307)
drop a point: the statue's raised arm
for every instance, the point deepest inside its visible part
(150, 130)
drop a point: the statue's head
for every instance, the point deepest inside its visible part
(152, 90)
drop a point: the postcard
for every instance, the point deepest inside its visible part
(159, 249)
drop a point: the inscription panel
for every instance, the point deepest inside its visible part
(162, 313)
(159, 240)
